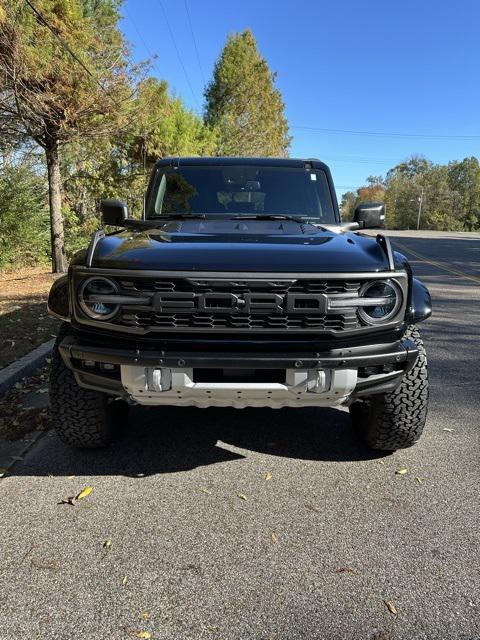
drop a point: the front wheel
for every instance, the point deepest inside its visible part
(81, 417)
(395, 420)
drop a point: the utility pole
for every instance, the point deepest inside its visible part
(420, 203)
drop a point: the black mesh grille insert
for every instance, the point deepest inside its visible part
(258, 305)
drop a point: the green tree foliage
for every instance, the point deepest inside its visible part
(24, 220)
(119, 165)
(243, 104)
(347, 206)
(449, 195)
(64, 74)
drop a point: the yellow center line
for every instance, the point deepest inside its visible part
(435, 263)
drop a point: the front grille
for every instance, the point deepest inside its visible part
(302, 318)
(146, 285)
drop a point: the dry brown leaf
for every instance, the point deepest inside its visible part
(84, 493)
(242, 496)
(348, 570)
(268, 475)
(401, 472)
(391, 607)
(274, 538)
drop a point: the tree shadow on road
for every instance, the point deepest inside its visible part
(174, 439)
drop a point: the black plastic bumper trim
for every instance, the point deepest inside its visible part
(404, 351)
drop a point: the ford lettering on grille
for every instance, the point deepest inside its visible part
(246, 303)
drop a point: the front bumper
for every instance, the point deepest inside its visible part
(337, 376)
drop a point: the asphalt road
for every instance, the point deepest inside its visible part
(312, 553)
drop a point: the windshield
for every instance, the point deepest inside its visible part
(242, 190)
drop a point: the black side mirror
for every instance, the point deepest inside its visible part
(114, 212)
(370, 215)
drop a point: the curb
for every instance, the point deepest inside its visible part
(24, 366)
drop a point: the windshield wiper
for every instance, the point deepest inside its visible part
(267, 216)
(179, 216)
(280, 216)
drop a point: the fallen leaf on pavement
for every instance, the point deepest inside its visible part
(449, 430)
(268, 475)
(380, 461)
(391, 607)
(401, 472)
(107, 544)
(242, 496)
(144, 634)
(419, 480)
(125, 580)
(346, 570)
(72, 499)
(274, 538)
(84, 493)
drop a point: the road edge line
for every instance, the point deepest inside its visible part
(434, 263)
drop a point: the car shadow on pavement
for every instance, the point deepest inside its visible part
(173, 439)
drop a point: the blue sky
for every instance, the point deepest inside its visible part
(371, 66)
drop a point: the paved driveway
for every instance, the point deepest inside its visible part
(202, 545)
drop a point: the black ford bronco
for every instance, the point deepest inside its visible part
(240, 287)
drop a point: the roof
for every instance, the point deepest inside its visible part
(229, 161)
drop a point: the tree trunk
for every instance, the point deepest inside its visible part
(59, 260)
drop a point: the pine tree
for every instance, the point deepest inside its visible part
(243, 104)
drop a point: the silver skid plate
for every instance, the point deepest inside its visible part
(302, 388)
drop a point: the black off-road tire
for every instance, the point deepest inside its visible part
(395, 420)
(81, 417)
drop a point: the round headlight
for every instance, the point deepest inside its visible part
(386, 301)
(93, 298)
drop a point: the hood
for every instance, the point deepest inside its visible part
(239, 245)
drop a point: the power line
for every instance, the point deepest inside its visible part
(187, 11)
(64, 44)
(178, 52)
(360, 160)
(142, 40)
(388, 134)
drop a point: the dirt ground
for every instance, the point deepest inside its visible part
(24, 322)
